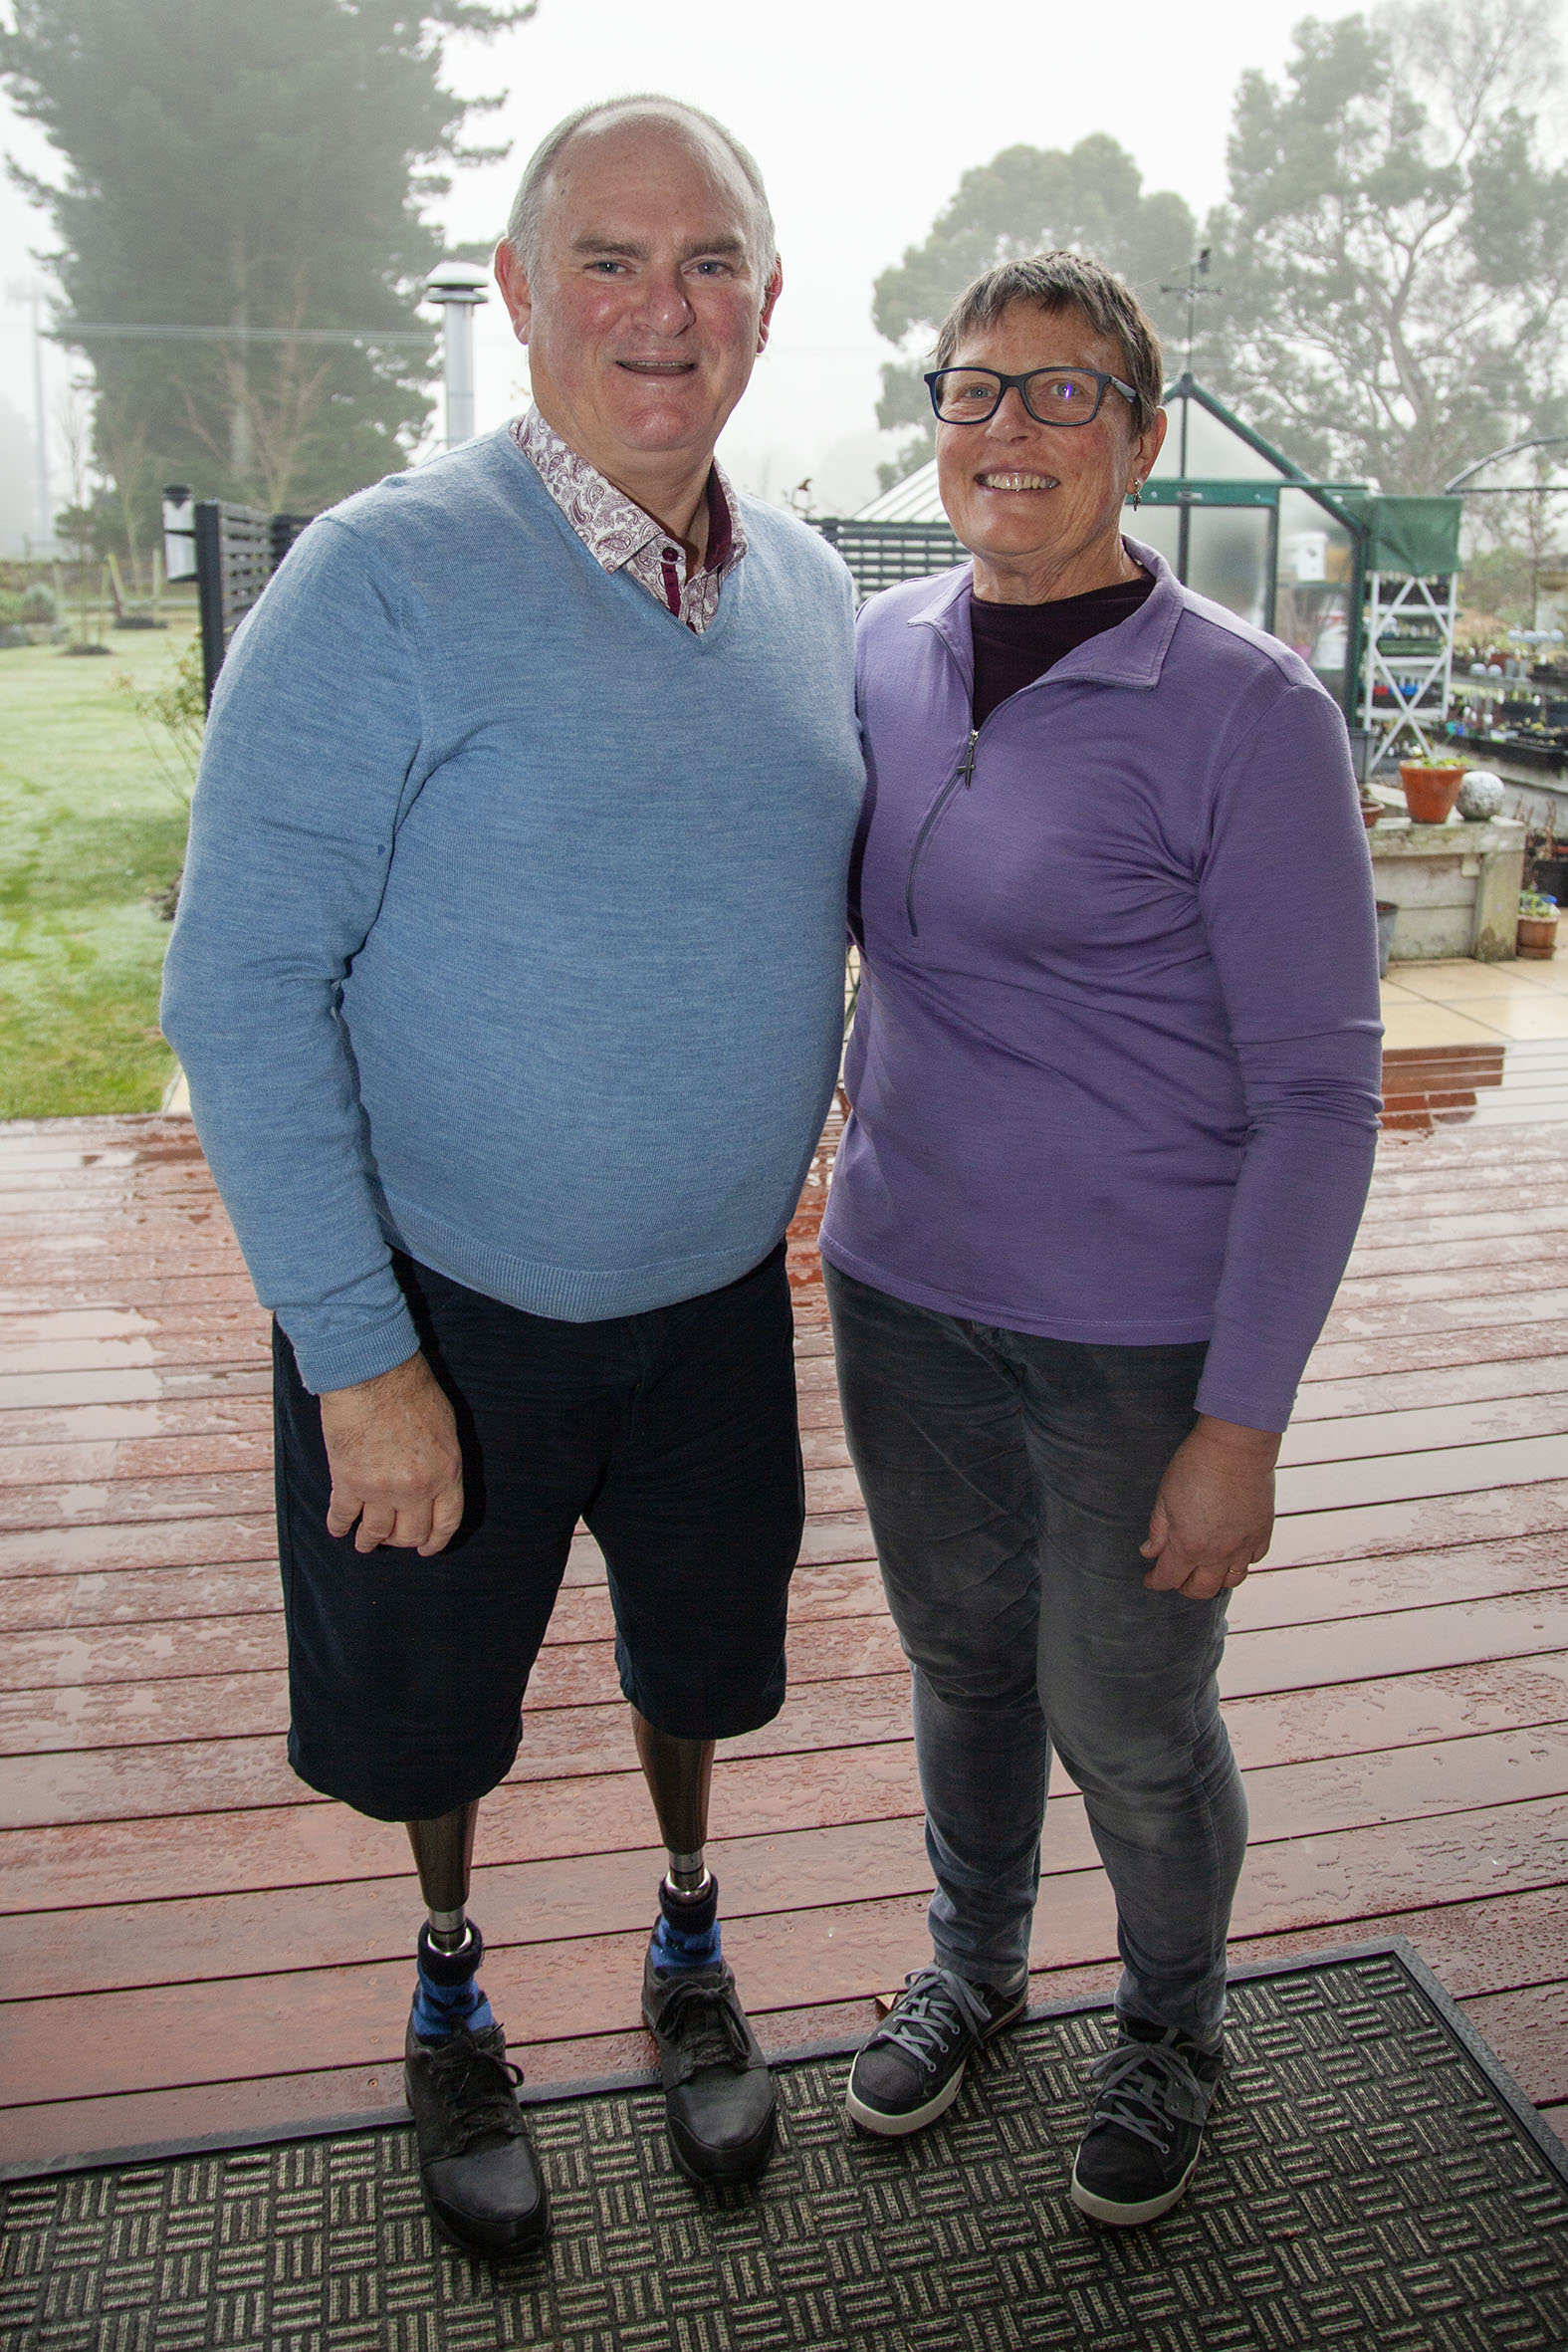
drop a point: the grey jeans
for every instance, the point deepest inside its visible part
(1010, 1481)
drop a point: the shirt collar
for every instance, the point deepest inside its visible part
(611, 526)
(1131, 655)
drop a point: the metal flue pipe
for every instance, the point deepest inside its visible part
(458, 287)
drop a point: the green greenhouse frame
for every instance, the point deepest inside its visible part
(1361, 584)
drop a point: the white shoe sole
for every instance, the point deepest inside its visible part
(1128, 2217)
(898, 2127)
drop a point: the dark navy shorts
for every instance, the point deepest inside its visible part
(672, 1434)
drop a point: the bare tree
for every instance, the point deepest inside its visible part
(1394, 248)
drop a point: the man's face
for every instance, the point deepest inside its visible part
(645, 311)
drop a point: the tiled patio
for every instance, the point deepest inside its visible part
(192, 1942)
(1469, 1004)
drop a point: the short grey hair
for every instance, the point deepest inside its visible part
(528, 206)
(1063, 281)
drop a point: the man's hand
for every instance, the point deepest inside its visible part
(391, 1444)
(1214, 1512)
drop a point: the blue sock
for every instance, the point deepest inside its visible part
(686, 1934)
(447, 1992)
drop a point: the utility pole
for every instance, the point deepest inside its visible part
(458, 287)
(32, 292)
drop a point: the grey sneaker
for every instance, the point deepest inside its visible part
(912, 2069)
(1146, 2128)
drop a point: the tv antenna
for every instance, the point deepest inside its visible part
(1192, 288)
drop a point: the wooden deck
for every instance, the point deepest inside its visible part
(190, 1942)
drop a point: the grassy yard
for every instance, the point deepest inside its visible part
(90, 828)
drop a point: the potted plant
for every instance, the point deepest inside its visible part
(1430, 789)
(1537, 927)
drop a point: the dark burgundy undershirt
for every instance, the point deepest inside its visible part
(1017, 644)
(721, 537)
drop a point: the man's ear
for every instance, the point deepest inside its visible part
(511, 279)
(773, 290)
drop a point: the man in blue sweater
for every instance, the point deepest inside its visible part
(508, 979)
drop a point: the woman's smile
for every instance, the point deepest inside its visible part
(995, 481)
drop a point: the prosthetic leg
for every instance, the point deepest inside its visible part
(481, 2180)
(679, 1773)
(450, 1946)
(444, 1859)
(719, 2098)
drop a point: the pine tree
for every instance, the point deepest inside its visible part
(258, 167)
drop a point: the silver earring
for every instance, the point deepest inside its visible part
(1137, 486)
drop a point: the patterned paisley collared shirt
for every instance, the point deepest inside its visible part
(616, 533)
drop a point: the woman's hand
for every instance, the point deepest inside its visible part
(1214, 1512)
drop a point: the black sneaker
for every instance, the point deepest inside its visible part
(1147, 2124)
(480, 2175)
(718, 2093)
(911, 2068)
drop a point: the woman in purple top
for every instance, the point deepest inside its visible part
(1115, 1084)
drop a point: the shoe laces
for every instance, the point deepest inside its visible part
(933, 2010)
(1144, 2087)
(475, 2087)
(704, 2019)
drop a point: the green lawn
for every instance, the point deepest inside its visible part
(90, 826)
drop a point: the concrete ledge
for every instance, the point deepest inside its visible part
(1457, 885)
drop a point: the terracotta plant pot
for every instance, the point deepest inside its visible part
(1430, 792)
(1537, 936)
(1370, 810)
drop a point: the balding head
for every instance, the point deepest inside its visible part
(639, 292)
(671, 116)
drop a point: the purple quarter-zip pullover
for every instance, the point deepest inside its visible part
(1115, 1061)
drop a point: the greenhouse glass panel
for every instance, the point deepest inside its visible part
(1213, 452)
(1159, 526)
(1313, 587)
(1227, 551)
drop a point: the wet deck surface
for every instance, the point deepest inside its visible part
(191, 1941)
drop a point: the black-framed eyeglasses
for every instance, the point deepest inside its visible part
(1052, 395)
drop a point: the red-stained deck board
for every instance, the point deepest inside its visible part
(599, 1883)
(205, 1945)
(179, 1702)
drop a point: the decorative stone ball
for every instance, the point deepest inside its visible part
(1480, 796)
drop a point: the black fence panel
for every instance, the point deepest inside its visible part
(880, 555)
(286, 529)
(238, 549)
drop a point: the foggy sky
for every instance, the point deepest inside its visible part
(863, 117)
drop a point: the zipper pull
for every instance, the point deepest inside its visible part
(968, 769)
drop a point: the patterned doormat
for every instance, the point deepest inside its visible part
(1370, 2180)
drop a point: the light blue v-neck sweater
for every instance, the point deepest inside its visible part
(513, 922)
